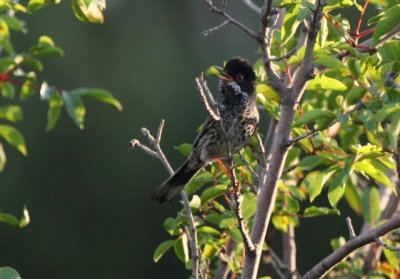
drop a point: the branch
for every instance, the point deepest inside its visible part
(223, 269)
(289, 252)
(387, 246)
(350, 227)
(323, 267)
(157, 152)
(268, 191)
(215, 29)
(221, 11)
(207, 98)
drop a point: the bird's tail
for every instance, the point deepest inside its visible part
(173, 185)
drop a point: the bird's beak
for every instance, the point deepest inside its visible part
(223, 76)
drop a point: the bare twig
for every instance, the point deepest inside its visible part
(223, 269)
(379, 241)
(221, 11)
(279, 58)
(157, 152)
(215, 28)
(249, 167)
(252, 6)
(350, 227)
(324, 266)
(207, 98)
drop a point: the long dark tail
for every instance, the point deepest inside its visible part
(173, 185)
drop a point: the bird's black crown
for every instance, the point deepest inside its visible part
(240, 66)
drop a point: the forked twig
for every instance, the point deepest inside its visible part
(157, 152)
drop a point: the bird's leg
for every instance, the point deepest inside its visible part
(223, 168)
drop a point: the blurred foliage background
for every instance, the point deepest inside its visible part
(87, 192)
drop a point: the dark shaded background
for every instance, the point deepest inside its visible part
(87, 192)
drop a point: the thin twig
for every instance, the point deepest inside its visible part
(279, 58)
(324, 266)
(252, 6)
(379, 241)
(350, 227)
(289, 252)
(157, 152)
(207, 99)
(235, 22)
(215, 28)
(249, 167)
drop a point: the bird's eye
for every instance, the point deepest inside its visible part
(240, 78)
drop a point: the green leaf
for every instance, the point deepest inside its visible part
(311, 162)
(354, 95)
(352, 197)
(9, 219)
(195, 202)
(13, 23)
(322, 83)
(181, 248)
(389, 19)
(385, 112)
(390, 53)
(368, 168)
(314, 115)
(212, 193)
(53, 113)
(7, 90)
(13, 137)
(162, 249)
(75, 108)
(100, 95)
(26, 219)
(46, 47)
(9, 273)
(3, 158)
(337, 187)
(27, 90)
(305, 11)
(394, 131)
(34, 5)
(184, 148)
(11, 113)
(249, 205)
(315, 211)
(318, 183)
(89, 10)
(370, 205)
(393, 258)
(198, 181)
(330, 62)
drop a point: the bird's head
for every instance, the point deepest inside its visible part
(238, 73)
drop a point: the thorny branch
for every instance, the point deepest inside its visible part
(234, 189)
(157, 152)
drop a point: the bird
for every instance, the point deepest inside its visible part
(239, 115)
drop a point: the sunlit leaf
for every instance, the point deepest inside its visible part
(13, 137)
(181, 248)
(100, 95)
(313, 116)
(390, 53)
(315, 211)
(7, 90)
(184, 148)
(12, 113)
(337, 187)
(53, 114)
(389, 19)
(249, 205)
(318, 183)
(46, 46)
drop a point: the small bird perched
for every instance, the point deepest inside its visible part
(239, 116)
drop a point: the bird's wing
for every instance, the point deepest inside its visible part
(206, 126)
